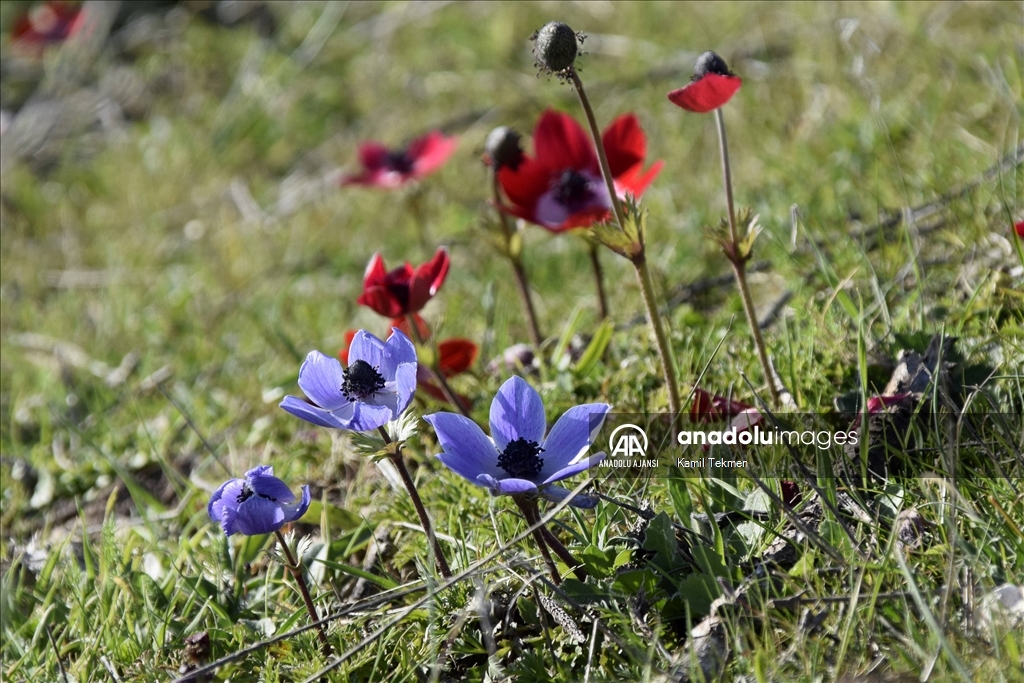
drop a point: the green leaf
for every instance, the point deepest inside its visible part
(661, 540)
(595, 349)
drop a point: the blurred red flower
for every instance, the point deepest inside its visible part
(1019, 228)
(712, 85)
(708, 408)
(561, 186)
(405, 289)
(46, 24)
(388, 169)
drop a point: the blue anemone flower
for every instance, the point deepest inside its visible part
(518, 459)
(259, 504)
(375, 388)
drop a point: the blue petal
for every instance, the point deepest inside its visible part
(258, 516)
(516, 413)
(320, 378)
(467, 450)
(405, 384)
(268, 486)
(575, 468)
(367, 417)
(227, 517)
(294, 511)
(225, 495)
(507, 487)
(400, 350)
(572, 435)
(557, 494)
(368, 348)
(317, 416)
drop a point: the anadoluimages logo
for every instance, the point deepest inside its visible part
(625, 442)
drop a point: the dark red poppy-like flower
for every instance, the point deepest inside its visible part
(1019, 228)
(405, 289)
(388, 169)
(709, 408)
(561, 186)
(46, 24)
(712, 85)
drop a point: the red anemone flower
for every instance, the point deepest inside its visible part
(709, 408)
(45, 24)
(561, 186)
(388, 169)
(712, 85)
(1019, 228)
(405, 289)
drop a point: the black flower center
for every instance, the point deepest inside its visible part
(248, 492)
(520, 459)
(572, 189)
(361, 380)
(400, 162)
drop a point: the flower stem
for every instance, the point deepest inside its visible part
(739, 262)
(668, 361)
(563, 554)
(442, 563)
(639, 260)
(528, 506)
(296, 572)
(516, 260)
(595, 261)
(435, 369)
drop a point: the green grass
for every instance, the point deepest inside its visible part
(848, 111)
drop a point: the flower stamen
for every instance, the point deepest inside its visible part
(520, 459)
(361, 380)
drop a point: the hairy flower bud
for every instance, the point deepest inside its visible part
(710, 63)
(556, 47)
(502, 146)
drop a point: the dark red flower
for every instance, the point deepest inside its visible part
(403, 290)
(708, 408)
(387, 168)
(1019, 228)
(561, 186)
(422, 328)
(712, 85)
(46, 24)
(743, 421)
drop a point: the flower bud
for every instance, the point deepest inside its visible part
(555, 47)
(502, 147)
(710, 63)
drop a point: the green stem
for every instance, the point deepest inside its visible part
(410, 486)
(639, 260)
(296, 572)
(435, 368)
(739, 261)
(668, 362)
(595, 262)
(528, 506)
(522, 284)
(563, 554)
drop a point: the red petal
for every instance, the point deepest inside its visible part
(790, 492)
(429, 152)
(878, 404)
(525, 185)
(708, 408)
(343, 353)
(710, 92)
(624, 144)
(456, 356)
(427, 279)
(375, 272)
(581, 219)
(635, 183)
(1019, 227)
(560, 143)
(373, 156)
(382, 301)
(421, 326)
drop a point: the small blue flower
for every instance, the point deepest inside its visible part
(259, 504)
(375, 388)
(518, 459)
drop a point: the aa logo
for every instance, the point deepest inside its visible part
(628, 441)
